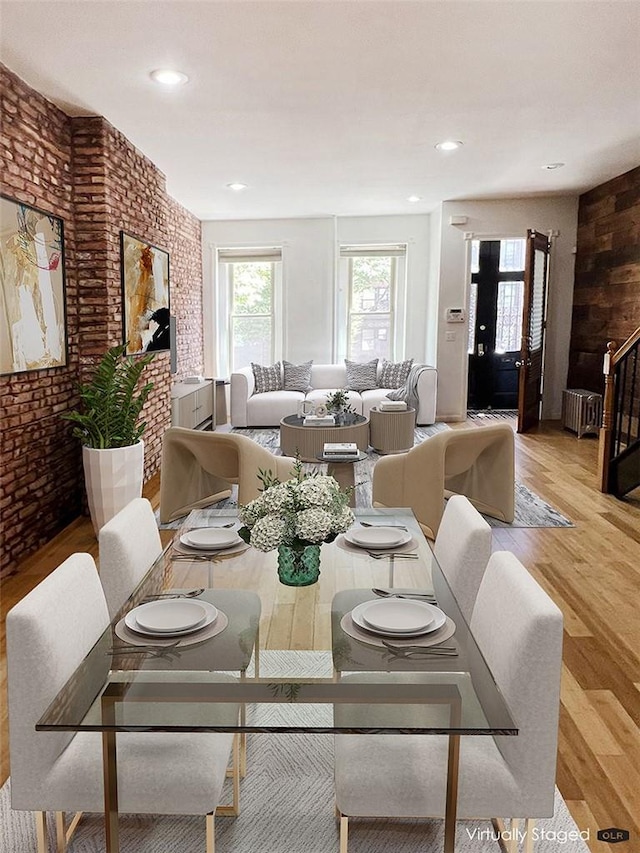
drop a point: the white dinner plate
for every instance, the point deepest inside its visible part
(210, 538)
(377, 537)
(398, 615)
(174, 614)
(211, 614)
(438, 621)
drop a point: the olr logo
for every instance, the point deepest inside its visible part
(613, 835)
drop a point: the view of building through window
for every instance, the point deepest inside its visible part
(371, 299)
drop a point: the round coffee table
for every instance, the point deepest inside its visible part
(309, 441)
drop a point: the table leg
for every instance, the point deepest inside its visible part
(110, 770)
(451, 807)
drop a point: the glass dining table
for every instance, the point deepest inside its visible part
(199, 684)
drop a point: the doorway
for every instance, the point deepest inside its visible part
(495, 323)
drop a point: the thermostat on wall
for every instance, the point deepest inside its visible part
(456, 315)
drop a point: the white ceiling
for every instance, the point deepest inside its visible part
(334, 108)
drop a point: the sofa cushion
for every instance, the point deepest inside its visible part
(267, 378)
(394, 374)
(297, 377)
(328, 375)
(269, 408)
(362, 376)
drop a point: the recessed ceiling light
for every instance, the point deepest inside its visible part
(414, 198)
(167, 77)
(237, 187)
(551, 166)
(448, 145)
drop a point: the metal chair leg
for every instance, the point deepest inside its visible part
(41, 831)
(344, 833)
(529, 824)
(234, 809)
(211, 832)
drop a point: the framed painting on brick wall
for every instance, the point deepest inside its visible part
(32, 289)
(145, 295)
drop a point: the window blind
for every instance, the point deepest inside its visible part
(374, 251)
(265, 254)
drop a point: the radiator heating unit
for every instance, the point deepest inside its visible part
(581, 411)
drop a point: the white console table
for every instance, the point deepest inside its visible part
(193, 405)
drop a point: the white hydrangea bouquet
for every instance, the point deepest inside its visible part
(307, 510)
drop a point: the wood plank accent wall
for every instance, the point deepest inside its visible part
(606, 299)
(85, 171)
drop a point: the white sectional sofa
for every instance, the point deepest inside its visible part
(249, 409)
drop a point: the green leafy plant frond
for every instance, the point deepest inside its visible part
(112, 402)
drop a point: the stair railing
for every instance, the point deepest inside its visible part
(620, 431)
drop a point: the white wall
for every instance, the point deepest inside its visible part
(308, 280)
(492, 220)
(309, 250)
(437, 279)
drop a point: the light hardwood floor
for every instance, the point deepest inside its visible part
(591, 570)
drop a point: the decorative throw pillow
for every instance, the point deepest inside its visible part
(297, 377)
(267, 378)
(361, 377)
(394, 374)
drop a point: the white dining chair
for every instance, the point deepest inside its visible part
(462, 548)
(129, 545)
(519, 631)
(49, 633)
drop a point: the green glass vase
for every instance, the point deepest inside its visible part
(298, 566)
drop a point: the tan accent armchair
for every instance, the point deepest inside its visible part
(477, 462)
(199, 468)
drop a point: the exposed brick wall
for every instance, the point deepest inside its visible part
(89, 174)
(184, 235)
(40, 466)
(606, 300)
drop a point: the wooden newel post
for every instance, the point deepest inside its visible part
(606, 431)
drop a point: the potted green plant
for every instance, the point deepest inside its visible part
(338, 405)
(109, 427)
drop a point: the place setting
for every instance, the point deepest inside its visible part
(174, 620)
(207, 543)
(405, 627)
(379, 541)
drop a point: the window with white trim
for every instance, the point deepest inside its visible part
(373, 285)
(248, 306)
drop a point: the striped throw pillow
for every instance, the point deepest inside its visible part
(267, 378)
(394, 374)
(361, 377)
(297, 377)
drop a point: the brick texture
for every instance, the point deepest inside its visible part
(606, 298)
(86, 172)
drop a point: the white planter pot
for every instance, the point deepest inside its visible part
(113, 478)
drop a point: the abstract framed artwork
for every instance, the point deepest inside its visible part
(145, 295)
(32, 289)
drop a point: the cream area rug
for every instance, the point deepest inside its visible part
(287, 806)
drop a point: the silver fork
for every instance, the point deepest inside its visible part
(385, 593)
(380, 555)
(192, 593)
(193, 558)
(368, 524)
(442, 651)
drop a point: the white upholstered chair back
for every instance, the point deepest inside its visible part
(129, 544)
(519, 630)
(49, 632)
(462, 549)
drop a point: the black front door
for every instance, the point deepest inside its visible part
(495, 323)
